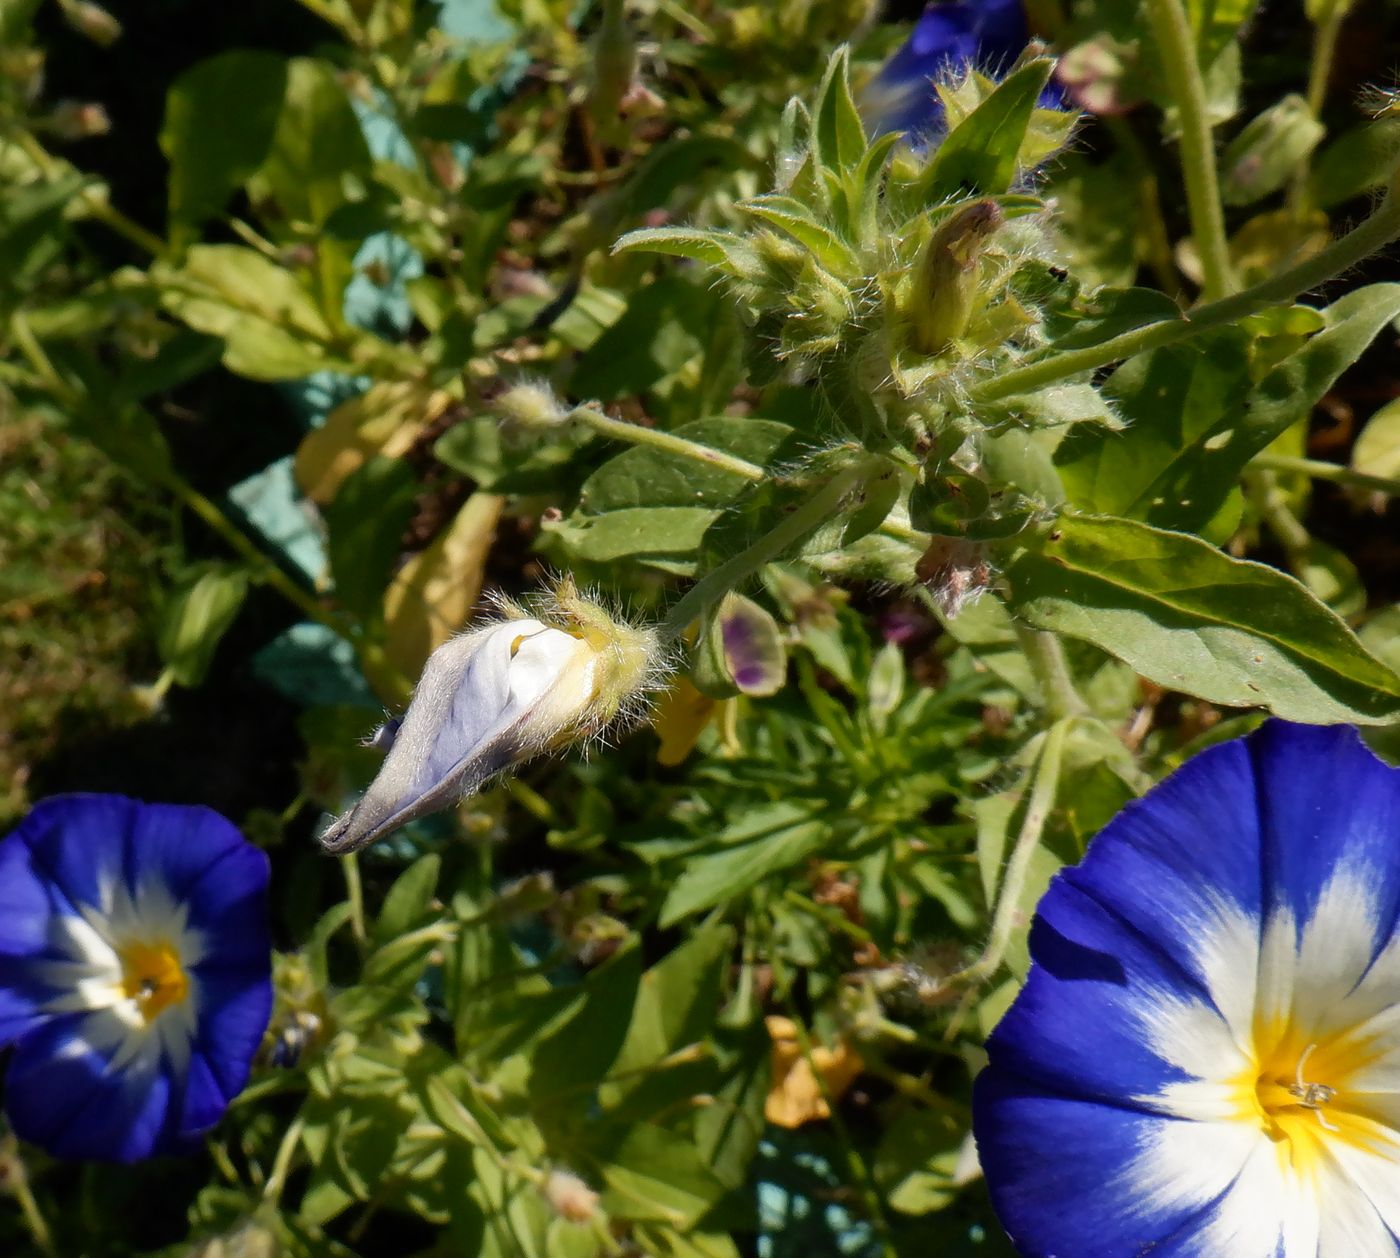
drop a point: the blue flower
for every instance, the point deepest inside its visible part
(988, 34)
(1205, 1058)
(135, 973)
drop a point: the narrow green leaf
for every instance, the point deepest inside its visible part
(979, 156)
(838, 134)
(196, 619)
(710, 247)
(789, 215)
(1190, 618)
(776, 837)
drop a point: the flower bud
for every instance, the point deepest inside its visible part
(569, 1197)
(945, 277)
(93, 21)
(531, 405)
(492, 698)
(78, 120)
(742, 651)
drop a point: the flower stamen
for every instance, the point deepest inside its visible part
(1312, 1096)
(153, 977)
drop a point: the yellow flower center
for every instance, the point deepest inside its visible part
(153, 977)
(1302, 1095)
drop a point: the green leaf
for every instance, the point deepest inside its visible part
(838, 137)
(220, 116)
(366, 523)
(408, 900)
(196, 618)
(710, 247)
(1355, 162)
(1377, 449)
(271, 326)
(646, 477)
(1192, 619)
(1216, 23)
(658, 1174)
(676, 1004)
(640, 533)
(32, 228)
(318, 148)
(667, 329)
(979, 155)
(1193, 422)
(772, 837)
(789, 215)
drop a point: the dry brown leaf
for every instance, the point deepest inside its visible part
(432, 595)
(796, 1096)
(386, 419)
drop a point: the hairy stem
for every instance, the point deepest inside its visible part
(772, 545)
(1335, 472)
(1045, 783)
(668, 443)
(1341, 255)
(1177, 46)
(1047, 660)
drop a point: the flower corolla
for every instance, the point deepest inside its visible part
(135, 973)
(1205, 1058)
(495, 696)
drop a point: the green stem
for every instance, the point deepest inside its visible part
(1340, 256)
(1177, 48)
(1044, 786)
(804, 520)
(1323, 53)
(282, 1163)
(355, 897)
(1335, 472)
(667, 442)
(1324, 50)
(29, 1208)
(1047, 660)
(1274, 507)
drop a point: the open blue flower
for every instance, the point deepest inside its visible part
(948, 37)
(135, 973)
(1205, 1058)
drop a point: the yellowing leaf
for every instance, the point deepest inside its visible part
(681, 716)
(385, 420)
(796, 1096)
(433, 593)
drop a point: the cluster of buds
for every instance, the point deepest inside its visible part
(890, 273)
(533, 680)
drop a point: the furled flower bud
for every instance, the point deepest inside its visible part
(496, 696)
(945, 280)
(78, 120)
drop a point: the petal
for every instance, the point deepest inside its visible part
(1197, 901)
(227, 907)
(176, 846)
(1328, 808)
(61, 1095)
(233, 1006)
(1104, 1013)
(79, 843)
(463, 725)
(1072, 1178)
